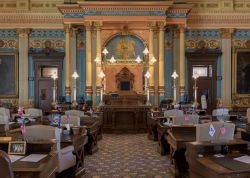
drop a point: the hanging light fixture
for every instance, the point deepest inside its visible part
(112, 60)
(138, 59)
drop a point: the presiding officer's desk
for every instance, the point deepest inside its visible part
(204, 164)
(41, 169)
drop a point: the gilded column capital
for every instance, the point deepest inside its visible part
(226, 33)
(182, 28)
(67, 28)
(88, 25)
(152, 25)
(97, 25)
(161, 25)
(176, 33)
(23, 32)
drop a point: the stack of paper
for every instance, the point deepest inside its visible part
(244, 159)
(14, 158)
(34, 157)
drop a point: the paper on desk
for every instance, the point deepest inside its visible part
(34, 157)
(244, 159)
(14, 158)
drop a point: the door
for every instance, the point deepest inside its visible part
(45, 88)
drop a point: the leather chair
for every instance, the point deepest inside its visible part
(248, 115)
(173, 112)
(186, 119)
(34, 112)
(5, 166)
(202, 131)
(74, 113)
(4, 117)
(74, 120)
(65, 157)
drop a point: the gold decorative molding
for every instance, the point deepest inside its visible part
(202, 43)
(38, 43)
(242, 43)
(8, 44)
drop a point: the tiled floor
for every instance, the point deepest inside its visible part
(127, 156)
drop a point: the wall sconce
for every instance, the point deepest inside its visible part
(174, 76)
(195, 77)
(147, 76)
(54, 77)
(75, 76)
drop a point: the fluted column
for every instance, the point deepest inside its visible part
(161, 76)
(67, 62)
(23, 44)
(99, 55)
(151, 66)
(176, 61)
(89, 89)
(226, 45)
(182, 63)
(73, 59)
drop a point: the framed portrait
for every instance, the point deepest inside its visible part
(8, 75)
(17, 148)
(241, 72)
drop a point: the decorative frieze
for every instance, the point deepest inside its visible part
(203, 43)
(8, 44)
(41, 43)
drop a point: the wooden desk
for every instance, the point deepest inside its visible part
(152, 121)
(207, 166)
(44, 168)
(177, 137)
(125, 118)
(162, 130)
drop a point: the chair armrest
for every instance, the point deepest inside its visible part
(67, 149)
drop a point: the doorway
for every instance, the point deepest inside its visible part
(203, 62)
(47, 63)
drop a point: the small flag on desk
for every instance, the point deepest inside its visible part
(23, 128)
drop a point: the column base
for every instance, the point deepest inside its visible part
(89, 93)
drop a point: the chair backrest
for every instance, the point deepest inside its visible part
(41, 132)
(5, 111)
(220, 112)
(73, 120)
(5, 165)
(173, 112)
(248, 115)
(34, 112)
(4, 120)
(186, 119)
(74, 113)
(215, 131)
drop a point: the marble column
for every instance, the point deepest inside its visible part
(161, 76)
(182, 63)
(23, 44)
(68, 32)
(99, 55)
(226, 44)
(176, 60)
(151, 66)
(73, 59)
(89, 89)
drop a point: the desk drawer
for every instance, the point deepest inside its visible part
(239, 175)
(26, 175)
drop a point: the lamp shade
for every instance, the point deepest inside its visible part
(148, 75)
(112, 60)
(153, 60)
(75, 75)
(97, 60)
(138, 59)
(195, 75)
(174, 75)
(146, 51)
(54, 76)
(101, 74)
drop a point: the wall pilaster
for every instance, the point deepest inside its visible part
(226, 44)
(23, 40)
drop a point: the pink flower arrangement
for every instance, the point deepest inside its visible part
(20, 111)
